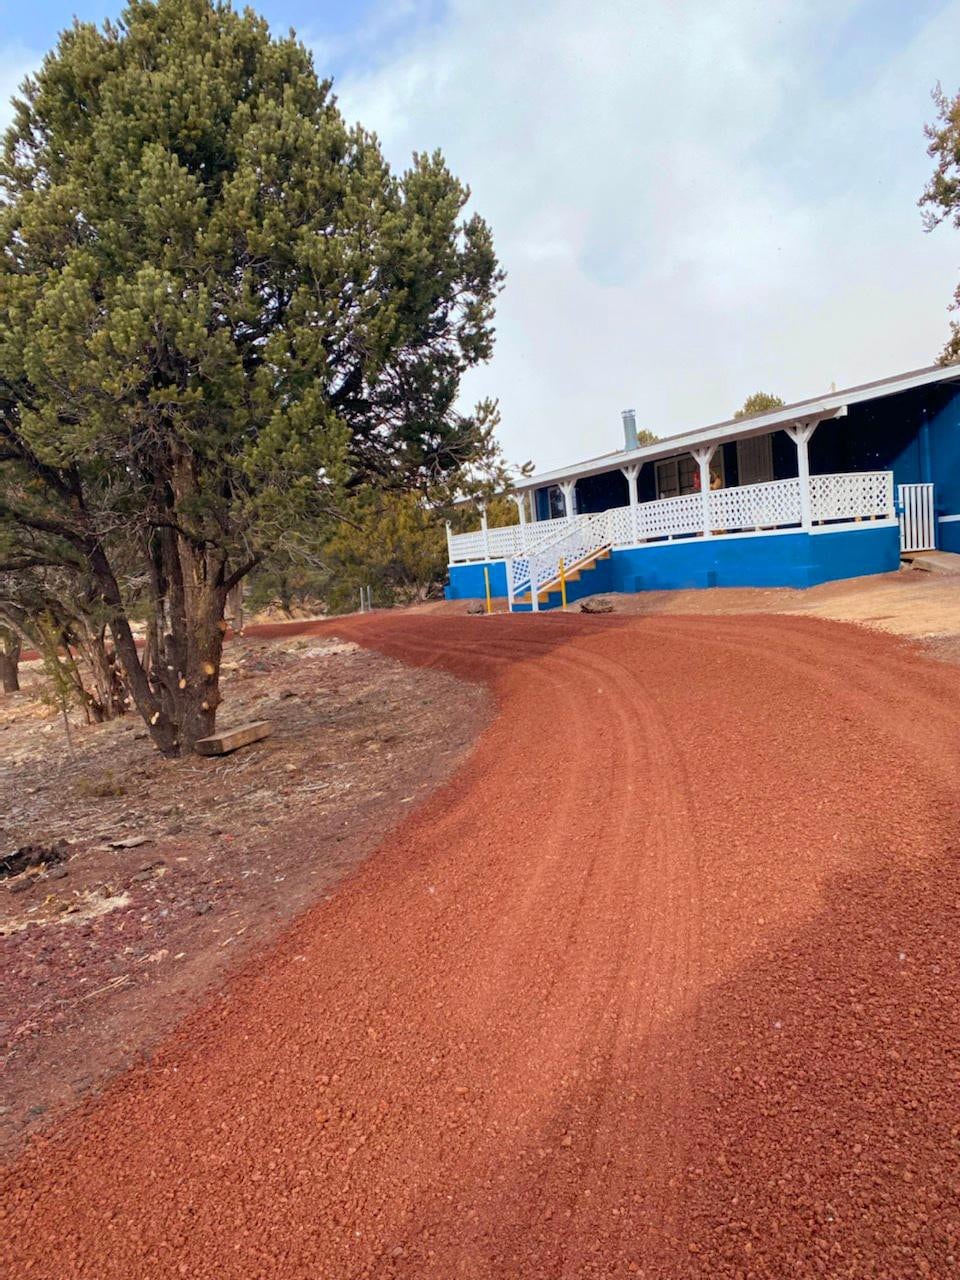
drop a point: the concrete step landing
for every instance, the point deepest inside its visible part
(932, 561)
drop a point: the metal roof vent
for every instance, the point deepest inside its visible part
(629, 417)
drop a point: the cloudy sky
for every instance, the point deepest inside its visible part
(693, 199)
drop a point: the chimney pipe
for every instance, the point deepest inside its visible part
(629, 417)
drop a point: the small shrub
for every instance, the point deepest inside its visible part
(101, 787)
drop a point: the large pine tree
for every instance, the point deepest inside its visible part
(218, 307)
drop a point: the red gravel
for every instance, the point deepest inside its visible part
(665, 983)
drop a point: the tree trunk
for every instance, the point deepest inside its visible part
(177, 691)
(107, 696)
(201, 694)
(191, 643)
(176, 688)
(144, 695)
(9, 660)
(235, 609)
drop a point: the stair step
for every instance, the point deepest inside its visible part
(553, 593)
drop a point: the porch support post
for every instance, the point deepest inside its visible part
(703, 457)
(521, 500)
(567, 489)
(486, 532)
(800, 433)
(631, 471)
(449, 543)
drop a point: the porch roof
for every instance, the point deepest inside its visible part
(815, 408)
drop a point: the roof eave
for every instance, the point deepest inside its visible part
(744, 428)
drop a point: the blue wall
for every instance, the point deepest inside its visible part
(948, 536)
(915, 434)
(466, 581)
(944, 450)
(772, 560)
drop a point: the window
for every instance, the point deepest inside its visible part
(681, 475)
(555, 505)
(755, 460)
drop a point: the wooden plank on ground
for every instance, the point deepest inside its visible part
(221, 744)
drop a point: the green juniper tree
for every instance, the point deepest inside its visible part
(219, 311)
(759, 402)
(941, 196)
(396, 544)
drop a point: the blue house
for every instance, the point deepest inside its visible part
(833, 487)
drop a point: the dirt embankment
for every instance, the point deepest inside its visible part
(920, 604)
(165, 874)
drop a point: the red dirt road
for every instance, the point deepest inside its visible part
(666, 983)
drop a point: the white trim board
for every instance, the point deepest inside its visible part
(465, 564)
(850, 526)
(853, 526)
(948, 519)
(698, 539)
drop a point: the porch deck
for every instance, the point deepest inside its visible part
(743, 502)
(538, 564)
(850, 497)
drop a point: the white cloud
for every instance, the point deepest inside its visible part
(15, 63)
(692, 201)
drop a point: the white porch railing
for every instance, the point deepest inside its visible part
(773, 505)
(510, 540)
(853, 495)
(533, 551)
(540, 569)
(918, 517)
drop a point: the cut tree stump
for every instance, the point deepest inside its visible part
(221, 744)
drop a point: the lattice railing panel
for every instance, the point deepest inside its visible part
(508, 540)
(537, 548)
(589, 537)
(542, 532)
(466, 546)
(505, 542)
(519, 576)
(771, 505)
(620, 526)
(852, 496)
(670, 517)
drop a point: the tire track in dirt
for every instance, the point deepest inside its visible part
(488, 1054)
(663, 949)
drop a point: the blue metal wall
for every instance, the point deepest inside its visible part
(466, 581)
(916, 435)
(942, 446)
(768, 560)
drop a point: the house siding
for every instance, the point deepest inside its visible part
(915, 434)
(791, 559)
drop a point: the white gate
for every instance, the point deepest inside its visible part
(917, 519)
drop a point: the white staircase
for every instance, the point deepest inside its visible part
(533, 577)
